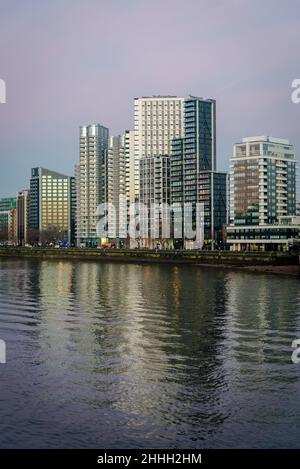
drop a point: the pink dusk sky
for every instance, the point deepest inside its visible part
(68, 63)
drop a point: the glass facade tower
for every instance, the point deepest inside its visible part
(194, 178)
(52, 206)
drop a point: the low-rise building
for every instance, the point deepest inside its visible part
(276, 237)
(8, 228)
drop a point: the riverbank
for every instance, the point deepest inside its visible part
(272, 262)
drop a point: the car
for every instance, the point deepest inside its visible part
(108, 246)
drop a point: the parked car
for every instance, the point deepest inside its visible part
(108, 246)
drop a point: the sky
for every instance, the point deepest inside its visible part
(67, 63)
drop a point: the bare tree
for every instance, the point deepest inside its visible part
(3, 235)
(33, 236)
(52, 235)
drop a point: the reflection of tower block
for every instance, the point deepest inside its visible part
(2, 92)
(199, 226)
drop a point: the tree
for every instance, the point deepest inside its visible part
(52, 235)
(3, 234)
(33, 236)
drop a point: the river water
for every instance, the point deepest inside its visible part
(109, 355)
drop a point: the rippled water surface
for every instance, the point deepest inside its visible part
(119, 355)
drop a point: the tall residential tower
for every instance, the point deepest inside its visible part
(194, 179)
(262, 191)
(115, 188)
(157, 121)
(52, 203)
(90, 186)
(23, 206)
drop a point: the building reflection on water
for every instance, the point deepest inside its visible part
(166, 348)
